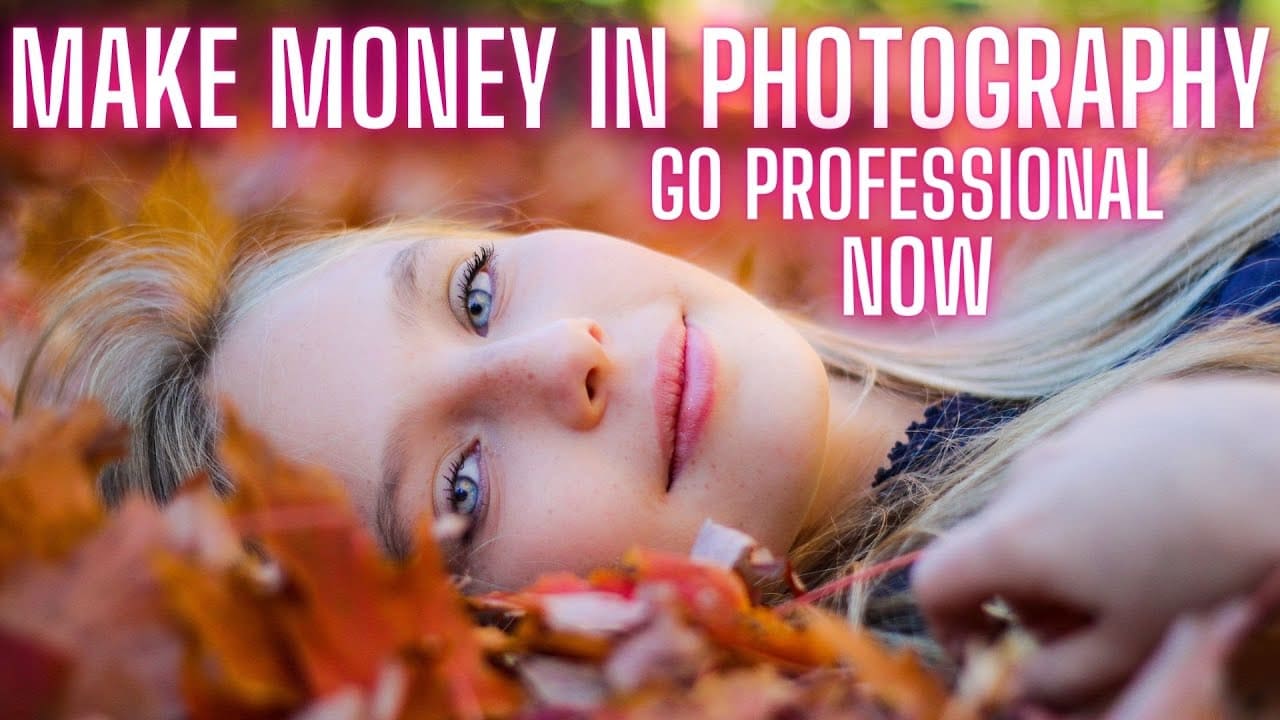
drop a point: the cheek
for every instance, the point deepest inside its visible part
(550, 532)
(559, 505)
(766, 461)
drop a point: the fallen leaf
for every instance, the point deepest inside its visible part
(49, 466)
(336, 580)
(664, 652)
(60, 230)
(102, 611)
(33, 677)
(564, 683)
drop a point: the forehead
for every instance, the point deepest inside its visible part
(315, 362)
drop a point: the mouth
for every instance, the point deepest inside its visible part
(683, 394)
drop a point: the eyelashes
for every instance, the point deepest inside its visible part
(475, 290)
(465, 491)
(463, 488)
(477, 262)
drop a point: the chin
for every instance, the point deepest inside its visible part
(778, 540)
(769, 508)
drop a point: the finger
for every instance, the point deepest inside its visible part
(1182, 677)
(1049, 618)
(1079, 669)
(968, 567)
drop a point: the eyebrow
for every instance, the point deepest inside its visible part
(394, 533)
(406, 281)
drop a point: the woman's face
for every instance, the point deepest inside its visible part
(569, 395)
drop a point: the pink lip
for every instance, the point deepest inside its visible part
(683, 393)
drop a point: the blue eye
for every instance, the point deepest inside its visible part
(464, 490)
(480, 302)
(475, 290)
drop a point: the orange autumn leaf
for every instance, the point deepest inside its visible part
(703, 588)
(756, 693)
(177, 216)
(181, 200)
(332, 569)
(180, 217)
(452, 665)
(234, 654)
(804, 637)
(60, 230)
(344, 608)
(897, 677)
(808, 637)
(715, 601)
(49, 466)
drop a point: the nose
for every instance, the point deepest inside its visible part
(560, 368)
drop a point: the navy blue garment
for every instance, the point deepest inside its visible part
(1252, 283)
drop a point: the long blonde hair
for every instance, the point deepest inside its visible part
(135, 326)
(1084, 321)
(135, 330)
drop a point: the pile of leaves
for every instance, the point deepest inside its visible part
(276, 603)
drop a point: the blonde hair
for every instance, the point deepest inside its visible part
(1085, 320)
(135, 327)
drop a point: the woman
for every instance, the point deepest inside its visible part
(569, 395)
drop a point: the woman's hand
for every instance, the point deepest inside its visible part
(1156, 502)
